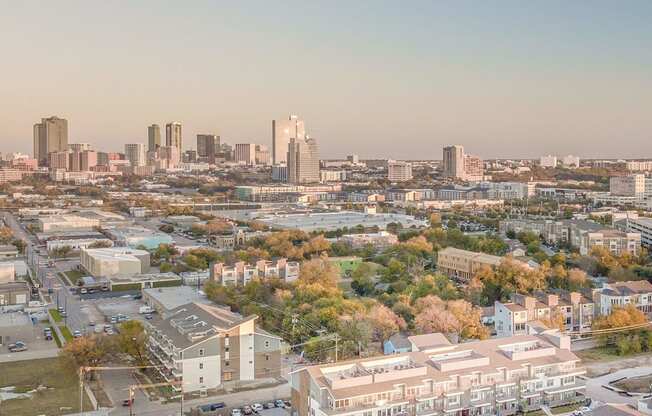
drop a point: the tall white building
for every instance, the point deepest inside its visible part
(303, 161)
(548, 161)
(570, 161)
(282, 132)
(135, 153)
(453, 160)
(398, 171)
(245, 153)
(173, 136)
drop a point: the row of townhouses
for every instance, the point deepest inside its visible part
(242, 273)
(495, 376)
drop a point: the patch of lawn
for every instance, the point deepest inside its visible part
(61, 395)
(56, 338)
(56, 315)
(565, 409)
(74, 276)
(66, 333)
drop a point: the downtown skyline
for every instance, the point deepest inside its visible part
(378, 81)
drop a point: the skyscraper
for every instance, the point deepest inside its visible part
(50, 135)
(207, 146)
(303, 161)
(135, 154)
(173, 136)
(454, 161)
(245, 153)
(153, 137)
(282, 132)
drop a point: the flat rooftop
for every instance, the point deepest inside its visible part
(174, 297)
(335, 220)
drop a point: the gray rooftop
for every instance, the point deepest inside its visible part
(174, 297)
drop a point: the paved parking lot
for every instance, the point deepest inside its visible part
(106, 308)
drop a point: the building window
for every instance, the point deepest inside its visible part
(266, 357)
(226, 363)
(267, 344)
(201, 380)
(201, 366)
(201, 352)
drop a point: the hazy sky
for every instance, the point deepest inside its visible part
(377, 78)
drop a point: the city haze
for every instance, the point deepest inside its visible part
(379, 79)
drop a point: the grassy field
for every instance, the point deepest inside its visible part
(74, 276)
(60, 397)
(66, 333)
(56, 315)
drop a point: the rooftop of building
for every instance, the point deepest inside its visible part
(628, 288)
(145, 277)
(115, 253)
(487, 258)
(173, 297)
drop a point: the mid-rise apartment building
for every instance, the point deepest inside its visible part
(399, 171)
(200, 347)
(462, 265)
(242, 273)
(136, 155)
(458, 165)
(628, 185)
(495, 376)
(548, 161)
(621, 294)
(511, 318)
(641, 225)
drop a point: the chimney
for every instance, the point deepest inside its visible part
(553, 300)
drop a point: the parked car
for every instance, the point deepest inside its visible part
(257, 407)
(279, 403)
(114, 319)
(236, 412)
(18, 346)
(288, 405)
(128, 402)
(148, 316)
(47, 334)
(83, 291)
(77, 334)
(269, 405)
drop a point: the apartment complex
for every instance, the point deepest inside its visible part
(641, 225)
(242, 273)
(462, 264)
(282, 132)
(201, 347)
(136, 155)
(580, 234)
(50, 135)
(628, 185)
(496, 376)
(512, 318)
(621, 294)
(379, 240)
(114, 261)
(548, 161)
(398, 171)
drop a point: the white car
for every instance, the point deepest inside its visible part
(236, 412)
(257, 407)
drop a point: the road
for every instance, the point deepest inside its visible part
(117, 382)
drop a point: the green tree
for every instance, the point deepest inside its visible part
(132, 340)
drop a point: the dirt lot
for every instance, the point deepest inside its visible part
(58, 388)
(635, 384)
(600, 361)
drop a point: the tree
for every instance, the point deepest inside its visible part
(320, 272)
(100, 244)
(88, 351)
(132, 340)
(384, 322)
(455, 316)
(165, 267)
(5, 235)
(362, 279)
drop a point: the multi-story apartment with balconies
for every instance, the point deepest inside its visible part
(200, 347)
(621, 294)
(496, 376)
(242, 273)
(463, 264)
(512, 318)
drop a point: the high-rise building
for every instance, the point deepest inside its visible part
(135, 154)
(59, 160)
(245, 153)
(398, 171)
(153, 137)
(173, 136)
(459, 165)
(79, 147)
(303, 161)
(262, 155)
(207, 146)
(88, 160)
(570, 161)
(548, 161)
(50, 135)
(282, 132)
(454, 161)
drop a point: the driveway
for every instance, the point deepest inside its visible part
(595, 390)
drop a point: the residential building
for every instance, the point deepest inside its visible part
(258, 193)
(639, 165)
(245, 153)
(50, 135)
(87, 160)
(303, 161)
(328, 175)
(153, 137)
(462, 265)
(509, 190)
(79, 147)
(641, 225)
(621, 294)
(202, 347)
(208, 145)
(548, 161)
(453, 161)
(570, 161)
(628, 185)
(263, 156)
(59, 160)
(114, 261)
(282, 132)
(242, 273)
(473, 168)
(379, 240)
(173, 136)
(494, 376)
(512, 318)
(136, 155)
(10, 175)
(398, 171)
